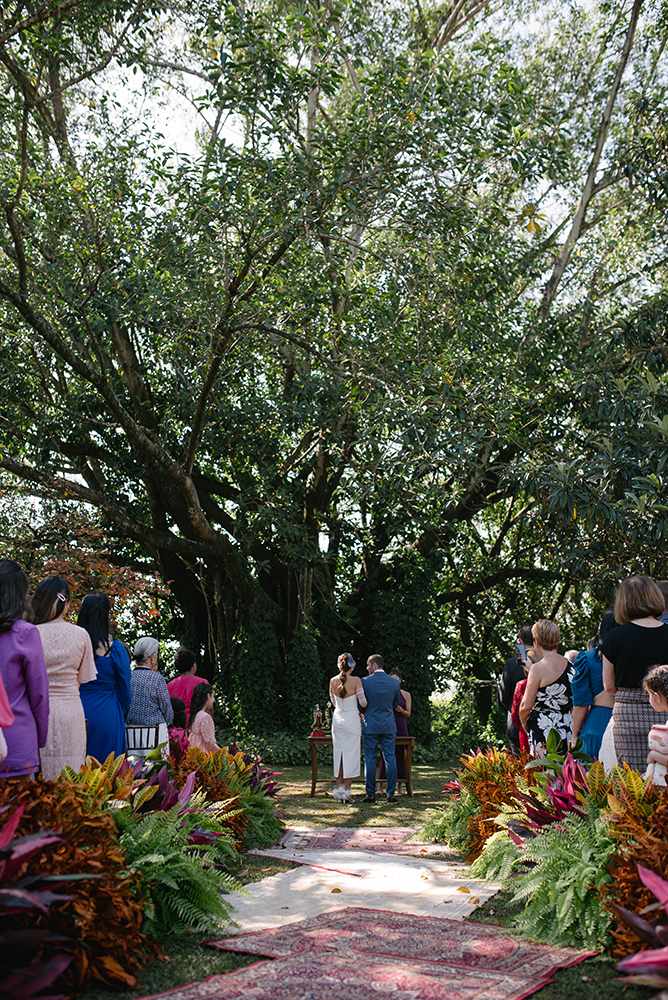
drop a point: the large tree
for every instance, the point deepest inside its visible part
(306, 372)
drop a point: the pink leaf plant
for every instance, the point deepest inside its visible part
(649, 967)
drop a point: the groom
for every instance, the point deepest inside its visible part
(379, 726)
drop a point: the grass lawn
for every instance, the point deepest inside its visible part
(187, 961)
(300, 809)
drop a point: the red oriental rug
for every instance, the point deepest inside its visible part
(355, 953)
(387, 840)
(402, 935)
(321, 975)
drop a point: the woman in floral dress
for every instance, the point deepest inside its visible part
(547, 703)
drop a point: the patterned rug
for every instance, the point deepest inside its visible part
(404, 936)
(317, 975)
(388, 840)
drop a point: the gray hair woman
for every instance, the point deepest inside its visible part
(150, 704)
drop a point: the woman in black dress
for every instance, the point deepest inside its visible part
(638, 643)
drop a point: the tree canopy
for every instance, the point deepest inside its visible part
(380, 358)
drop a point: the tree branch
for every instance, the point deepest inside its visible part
(588, 190)
(484, 583)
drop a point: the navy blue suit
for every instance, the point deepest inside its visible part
(379, 726)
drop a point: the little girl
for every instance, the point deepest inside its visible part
(178, 732)
(201, 730)
(656, 685)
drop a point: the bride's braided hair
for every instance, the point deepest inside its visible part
(344, 667)
(657, 680)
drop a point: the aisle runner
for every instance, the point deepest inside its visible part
(423, 887)
(369, 863)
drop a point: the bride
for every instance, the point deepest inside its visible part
(345, 691)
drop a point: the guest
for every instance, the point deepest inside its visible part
(656, 685)
(183, 686)
(514, 673)
(401, 714)
(24, 675)
(149, 698)
(571, 656)
(663, 587)
(200, 726)
(6, 719)
(640, 641)
(105, 700)
(69, 663)
(178, 731)
(520, 688)
(547, 701)
(345, 691)
(592, 705)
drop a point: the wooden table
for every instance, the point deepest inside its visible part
(325, 740)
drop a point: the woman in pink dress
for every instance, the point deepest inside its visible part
(201, 729)
(68, 656)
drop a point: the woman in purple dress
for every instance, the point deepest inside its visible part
(401, 714)
(23, 675)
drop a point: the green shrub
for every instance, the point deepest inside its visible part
(279, 749)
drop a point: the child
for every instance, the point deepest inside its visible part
(201, 729)
(178, 733)
(656, 685)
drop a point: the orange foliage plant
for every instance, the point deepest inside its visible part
(638, 815)
(492, 778)
(103, 919)
(222, 776)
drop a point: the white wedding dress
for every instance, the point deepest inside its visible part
(346, 735)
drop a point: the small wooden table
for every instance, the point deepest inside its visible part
(325, 740)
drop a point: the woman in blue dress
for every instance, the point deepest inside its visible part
(106, 699)
(592, 705)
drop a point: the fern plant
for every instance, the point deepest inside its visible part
(568, 865)
(451, 826)
(183, 878)
(504, 852)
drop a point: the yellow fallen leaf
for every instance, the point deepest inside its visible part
(474, 899)
(463, 888)
(424, 876)
(336, 890)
